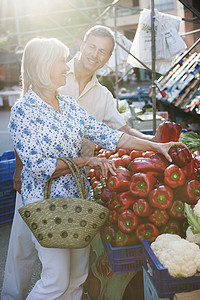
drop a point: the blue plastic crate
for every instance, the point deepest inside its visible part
(124, 259)
(7, 155)
(7, 169)
(166, 285)
(149, 289)
(7, 206)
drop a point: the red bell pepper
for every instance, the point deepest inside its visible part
(119, 182)
(148, 153)
(160, 157)
(127, 221)
(147, 231)
(112, 202)
(189, 170)
(122, 161)
(142, 208)
(177, 210)
(118, 185)
(159, 217)
(113, 216)
(136, 153)
(126, 160)
(141, 184)
(190, 192)
(109, 232)
(124, 200)
(180, 155)
(174, 176)
(122, 152)
(148, 165)
(172, 227)
(161, 197)
(123, 239)
(168, 132)
(106, 194)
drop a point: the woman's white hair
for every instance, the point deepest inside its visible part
(40, 54)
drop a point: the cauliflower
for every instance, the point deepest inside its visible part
(191, 237)
(198, 261)
(162, 241)
(197, 208)
(181, 258)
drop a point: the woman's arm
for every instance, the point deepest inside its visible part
(101, 164)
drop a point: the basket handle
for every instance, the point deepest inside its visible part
(81, 187)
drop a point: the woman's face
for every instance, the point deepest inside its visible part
(58, 72)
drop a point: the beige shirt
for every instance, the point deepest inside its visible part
(97, 100)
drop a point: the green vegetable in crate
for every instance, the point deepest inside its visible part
(191, 140)
(191, 237)
(193, 217)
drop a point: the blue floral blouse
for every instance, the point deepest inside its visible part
(41, 134)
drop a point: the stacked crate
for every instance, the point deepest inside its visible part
(7, 194)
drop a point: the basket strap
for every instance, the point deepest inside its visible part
(81, 187)
(78, 173)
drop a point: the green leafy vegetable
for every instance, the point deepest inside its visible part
(191, 140)
(193, 220)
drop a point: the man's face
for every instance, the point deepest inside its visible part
(95, 52)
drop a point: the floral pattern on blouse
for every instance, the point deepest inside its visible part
(41, 134)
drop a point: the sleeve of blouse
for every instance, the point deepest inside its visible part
(22, 129)
(99, 132)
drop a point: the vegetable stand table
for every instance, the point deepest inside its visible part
(102, 283)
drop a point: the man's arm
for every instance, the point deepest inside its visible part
(17, 183)
(131, 131)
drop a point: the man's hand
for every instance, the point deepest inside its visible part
(17, 182)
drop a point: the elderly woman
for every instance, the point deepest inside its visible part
(45, 126)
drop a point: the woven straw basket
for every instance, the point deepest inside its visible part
(65, 222)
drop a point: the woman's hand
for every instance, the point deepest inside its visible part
(103, 165)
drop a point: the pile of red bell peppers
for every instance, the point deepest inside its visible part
(147, 195)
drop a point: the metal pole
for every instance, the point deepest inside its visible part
(153, 62)
(116, 66)
(17, 23)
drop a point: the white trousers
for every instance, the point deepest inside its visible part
(63, 270)
(20, 260)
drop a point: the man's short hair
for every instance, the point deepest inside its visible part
(99, 30)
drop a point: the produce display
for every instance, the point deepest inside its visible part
(147, 196)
